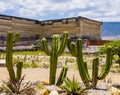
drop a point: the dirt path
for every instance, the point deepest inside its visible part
(39, 74)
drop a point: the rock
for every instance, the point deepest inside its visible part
(114, 90)
(54, 92)
(45, 82)
(44, 92)
(98, 92)
(52, 87)
(36, 83)
(3, 94)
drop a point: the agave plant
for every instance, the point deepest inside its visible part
(72, 87)
(17, 88)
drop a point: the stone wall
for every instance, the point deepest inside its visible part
(51, 27)
(31, 29)
(77, 27)
(91, 29)
(25, 27)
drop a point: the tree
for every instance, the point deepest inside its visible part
(115, 45)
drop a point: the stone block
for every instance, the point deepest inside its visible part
(24, 21)
(5, 22)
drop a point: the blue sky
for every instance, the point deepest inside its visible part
(101, 10)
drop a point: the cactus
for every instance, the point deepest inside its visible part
(76, 50)
(57, 50)
(62, 75)
(106, 68)
(11, 39)
(19, 70)
(95, 68)
(9, 48)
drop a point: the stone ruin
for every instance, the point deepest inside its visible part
(31, 30)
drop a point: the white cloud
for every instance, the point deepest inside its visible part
(103, 10)
(2, 7)
(108, 38)
(111, 37)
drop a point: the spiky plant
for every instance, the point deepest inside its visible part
(72, 87)
(11, 39)
(15, 82)
(19, 87)
(54, 53)
(76, 50)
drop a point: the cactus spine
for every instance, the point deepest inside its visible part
(57, 50)
(76, 50)
(11, 39)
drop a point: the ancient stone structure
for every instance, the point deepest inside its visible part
(30, 29)
(77, 27)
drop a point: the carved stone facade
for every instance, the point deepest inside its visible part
(31, 29)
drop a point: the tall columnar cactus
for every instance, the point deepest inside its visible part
(11, 39)
(76, 50)
(54, 53)
(62, 75)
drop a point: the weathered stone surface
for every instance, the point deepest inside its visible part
(44, 92)
(52, 87)
(54, 92)
(76, 26)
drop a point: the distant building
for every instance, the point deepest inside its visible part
(30, 29)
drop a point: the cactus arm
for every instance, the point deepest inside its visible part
(80, 59)
(95, 68)
(9, 55)
(62, 75)
(16, 38)
(45, 47)
(55, 43)
(63, 43)
(80, 64)
(19, 70)
(72, 47)
(86, 71)
(69, 46)
(108, 64)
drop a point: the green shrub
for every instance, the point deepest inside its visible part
(26, 65)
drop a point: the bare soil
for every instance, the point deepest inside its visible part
(42, 74)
